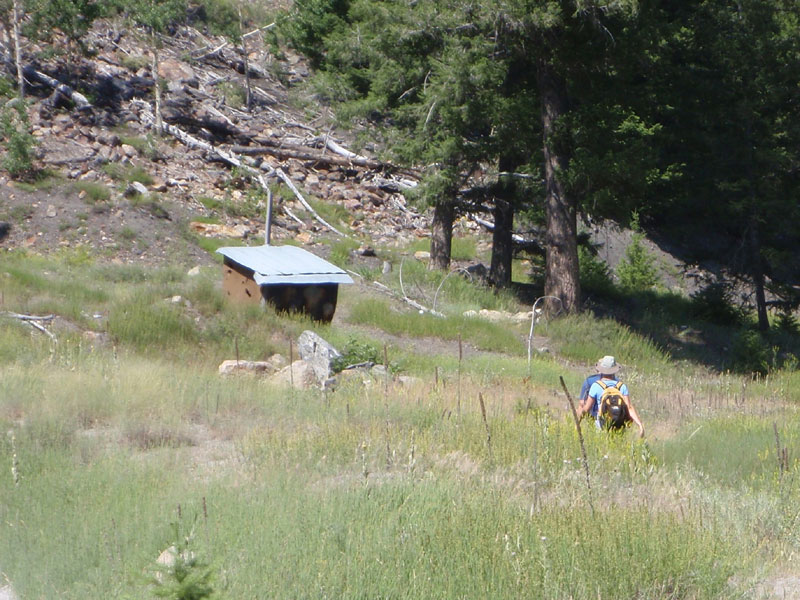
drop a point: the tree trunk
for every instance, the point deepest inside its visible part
(17, 19)
(246, 60)
(757, 271)
(442, 234)
(502, 245)
(561, 268)
(159, 128)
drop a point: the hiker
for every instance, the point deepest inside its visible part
(607, 399)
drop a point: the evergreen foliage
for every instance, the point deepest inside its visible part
(637, 270)
(73, 18)
(18, 140)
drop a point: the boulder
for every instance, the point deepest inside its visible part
(318, 353)
(176, 71)
(256, 367)
(135, 188)
(299, 375)
(218, 230)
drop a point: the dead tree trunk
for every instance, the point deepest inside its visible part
(246, 60)
(159, 126)
(17, 18)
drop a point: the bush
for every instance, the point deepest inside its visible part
(356, 352)
(595, 275)
(750, 352)
(19, 143)
(786, 322)
(637, 271)
(713, 304)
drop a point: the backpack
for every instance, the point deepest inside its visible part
(613, 410)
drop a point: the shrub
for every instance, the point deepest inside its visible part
(750, 352)
(94, 193)
(713, 304)
(356, 352)
(19, 142)
(637, 271)
(340, 251)
(595, 276)
(786, 322)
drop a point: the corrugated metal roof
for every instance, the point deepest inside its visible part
(285, 264)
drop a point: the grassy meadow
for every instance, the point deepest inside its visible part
(466, 480)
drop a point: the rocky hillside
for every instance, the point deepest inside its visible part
(118, 190)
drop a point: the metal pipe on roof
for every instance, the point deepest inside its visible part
(268, 224)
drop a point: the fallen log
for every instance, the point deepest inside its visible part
(146, 115)
(31, 74)
(34, 321)
(284, 151)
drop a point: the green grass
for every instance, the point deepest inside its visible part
(95, 193)
(341, 250)
(395, 490)
(585, 338)
(305, 491)
(461, 248)
(483, 334)
(128, 174)
(708, 446)
(452, 292)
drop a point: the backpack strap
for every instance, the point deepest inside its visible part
(605, 386)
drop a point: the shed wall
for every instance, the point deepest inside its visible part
(238, 283)
(316, 300)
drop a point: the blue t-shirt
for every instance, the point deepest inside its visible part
(585, 390)
(596, 391)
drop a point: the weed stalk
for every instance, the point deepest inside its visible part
(486, 425)
(580, 439)
(386, 404)
(458, 389)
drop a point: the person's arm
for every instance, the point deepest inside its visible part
(634, 415)
(586, 406)
(587, 401)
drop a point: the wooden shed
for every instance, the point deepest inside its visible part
(288, 277)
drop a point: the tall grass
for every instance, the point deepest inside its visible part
(585, 338)
(296, 516)
(483, 334)
(383, 489)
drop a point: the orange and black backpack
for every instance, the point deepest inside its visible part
(613, 411)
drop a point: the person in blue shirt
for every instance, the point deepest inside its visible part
(606, 368)
(587, 383)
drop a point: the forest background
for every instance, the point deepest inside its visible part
(542, 116)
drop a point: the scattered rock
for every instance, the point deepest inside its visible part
(318, 353)
(135, 188)
(175, 70)
(255, 367)
(497, 316)
(409, 381)
(299, 374)
(219, 230)
(379, 371)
